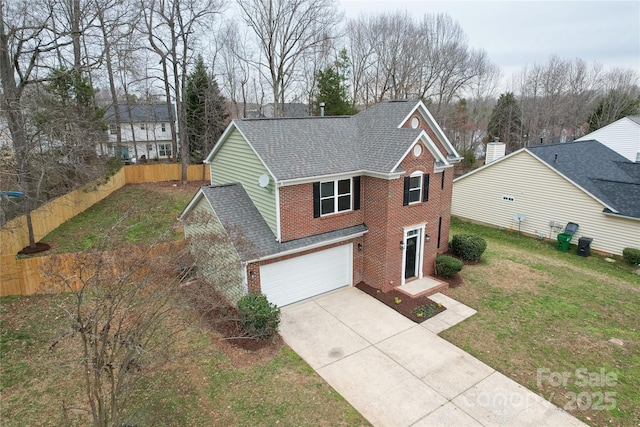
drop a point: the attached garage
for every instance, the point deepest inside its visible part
(306, 276)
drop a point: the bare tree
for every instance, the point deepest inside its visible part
(26, 39)
(285, 30)
(172, 28)
(118, 312)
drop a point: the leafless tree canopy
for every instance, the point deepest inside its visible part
(285, 30)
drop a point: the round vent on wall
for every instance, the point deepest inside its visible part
(263, 181)
(417, 150)
(415, 122)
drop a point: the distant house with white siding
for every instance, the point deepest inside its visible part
(622, 136)
(145, 130)
(583, 182)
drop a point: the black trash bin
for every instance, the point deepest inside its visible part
(584, 246)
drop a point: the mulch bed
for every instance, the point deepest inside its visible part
(407, 305)
(40, 247)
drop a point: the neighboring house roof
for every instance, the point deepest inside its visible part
(596, 169)
(235, 210)
(291, 109)
(635, 119)
(140, 113)
(298, 148)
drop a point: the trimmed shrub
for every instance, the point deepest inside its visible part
(632, 255)
(447, 266)
(259, 318)
(468, 247)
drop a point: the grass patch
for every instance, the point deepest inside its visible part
(131, 215)
(199, 385)
(539, 308)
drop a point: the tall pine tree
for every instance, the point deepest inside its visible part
(332, 88)
(206, 115)
(506, 121)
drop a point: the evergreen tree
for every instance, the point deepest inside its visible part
(614, 106)
(206, 115)
(332, 88)
(506, 121)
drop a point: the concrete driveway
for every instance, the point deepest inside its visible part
(398, 373)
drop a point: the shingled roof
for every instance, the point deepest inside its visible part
(236, 211)
(372, 140)
(138, 113)
(602, 172)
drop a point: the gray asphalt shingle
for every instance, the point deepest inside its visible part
(313, 146)
(248, 230)
(140, 113)
(599, 170)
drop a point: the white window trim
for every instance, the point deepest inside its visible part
(161, 149)
(420, 176)
(419, 247)
(336, 196)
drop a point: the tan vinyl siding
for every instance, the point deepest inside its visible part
(543, 196)
(234, 162)
(217, 261)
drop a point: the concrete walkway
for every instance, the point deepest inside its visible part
(398, 373)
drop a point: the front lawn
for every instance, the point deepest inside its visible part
(545, 319)
(203, 384)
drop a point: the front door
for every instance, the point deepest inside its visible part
(411, 257)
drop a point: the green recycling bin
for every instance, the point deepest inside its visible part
(564, 241)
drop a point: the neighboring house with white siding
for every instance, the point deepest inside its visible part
(145, 130)
(622, 136)
(582, 182)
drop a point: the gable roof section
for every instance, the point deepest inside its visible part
(598, 170)
(236, 211)
(372, 141)
(140, 113)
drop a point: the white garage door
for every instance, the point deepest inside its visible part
(295, 279)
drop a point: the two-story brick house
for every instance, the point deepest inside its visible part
(313, 204)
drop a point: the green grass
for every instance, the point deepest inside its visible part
(541, 308)
(199, 386)
(131, 215)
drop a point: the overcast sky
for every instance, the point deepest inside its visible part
(516, 33)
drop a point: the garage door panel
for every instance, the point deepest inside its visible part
(298, 278)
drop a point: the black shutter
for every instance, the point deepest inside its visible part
(439, 231)
(405, 196)
(316, 200)
(425, 188)
(442, 183)
(356, 193)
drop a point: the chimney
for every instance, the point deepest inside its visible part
(495, 151)
(322, 109)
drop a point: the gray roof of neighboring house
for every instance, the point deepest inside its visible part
(635, 119)
(140, 113)
(235, 210)
(302, 147)
(599, 170)
(291, 109)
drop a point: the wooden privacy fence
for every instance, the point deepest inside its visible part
(33, 275)
(14, 234)
(165, 172)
